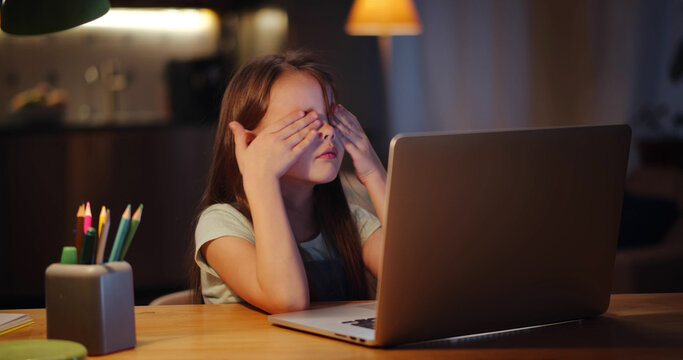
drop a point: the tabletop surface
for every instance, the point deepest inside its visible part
(635, 326)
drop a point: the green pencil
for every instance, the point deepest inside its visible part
(134, 222)
(120, 235)
(89, 244)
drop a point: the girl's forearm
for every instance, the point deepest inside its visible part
(280, 270)
(376, 184)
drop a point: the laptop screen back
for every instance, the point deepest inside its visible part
(494, 230)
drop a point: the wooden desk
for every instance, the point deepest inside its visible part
(643, 326)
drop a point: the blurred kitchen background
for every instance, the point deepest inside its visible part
(123, 110)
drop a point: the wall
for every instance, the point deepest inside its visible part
(44, 175)
(113, 69)
(525, 63)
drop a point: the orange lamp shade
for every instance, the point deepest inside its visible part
(383, 18)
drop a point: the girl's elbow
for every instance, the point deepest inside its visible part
(290, 304)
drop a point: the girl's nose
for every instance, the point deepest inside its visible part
(326, 131)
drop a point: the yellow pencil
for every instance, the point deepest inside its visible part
(103, 237)
(103, 218)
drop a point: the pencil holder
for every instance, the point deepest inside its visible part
(92, 305)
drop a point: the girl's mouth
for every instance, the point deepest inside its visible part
(328, 154)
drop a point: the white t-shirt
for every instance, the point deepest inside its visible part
(220, 220)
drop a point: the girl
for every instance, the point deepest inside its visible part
(276, 230)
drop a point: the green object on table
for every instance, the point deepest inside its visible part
(42, 350)
(69, 255)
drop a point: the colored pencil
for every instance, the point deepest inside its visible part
(103, 218)
(87, 219)
(79, 230)
(88, 252)
(104, 234)
(135, 221)
(120, 235)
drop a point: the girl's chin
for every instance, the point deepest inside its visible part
(323, 179)
(314, 179)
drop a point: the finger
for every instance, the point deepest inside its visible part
(285, 121)
(308, 140)
(347, 117)
(298, 125)
(350, 142)
(350, 147)
(346, 132)
(240, 136)
(298, 136)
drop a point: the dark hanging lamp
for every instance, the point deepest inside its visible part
(33, 17)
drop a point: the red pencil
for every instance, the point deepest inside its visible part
(87, 220)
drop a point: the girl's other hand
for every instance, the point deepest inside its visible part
(365, 161)
(270, 153)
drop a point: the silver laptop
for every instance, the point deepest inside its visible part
(488, 231)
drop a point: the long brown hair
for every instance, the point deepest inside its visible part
(246, 100)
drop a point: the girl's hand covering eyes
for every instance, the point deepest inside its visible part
(268, 155)
(365, 161)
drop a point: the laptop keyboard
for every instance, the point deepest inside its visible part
(368, 323)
